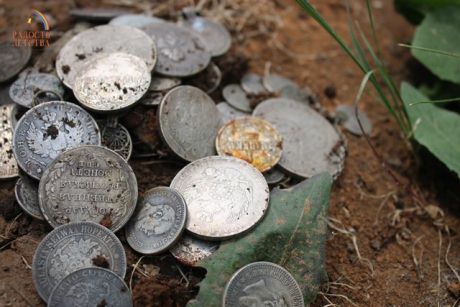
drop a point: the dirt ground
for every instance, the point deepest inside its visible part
(384, 249)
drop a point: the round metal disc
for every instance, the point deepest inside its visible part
(49, 129)
(158, 222)
(97, 14)
(116, 138)
(26, 191)
(228, 113)
(75, 246)
(225, 196)
(350, 122)
(189, 120)
(100, 40)
(88, 183)
(12, 60)
(112, 82)
(9, 167)
(134, 20)
(311, 145)
(275, 83)
(274, 176)
(264, 282)
(236, 97)
(252, 84)
(304, 95)
(163, 83)
(189, 250)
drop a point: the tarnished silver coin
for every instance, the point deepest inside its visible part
(163, 83)
(112, 82)
(347, 116)
(9, 166)
(47, 130)
(134, 20)
(225, 196)
(275, 83)
(12, 59)
(75, 246)
(117, 138)
(208, 80)
(262, 284)
(97, 14)
(189, 250)
(26, 191)
(304, 95)
(228, 113)
(23, 91)
(237, 98)
(88, 183)
(252, 84)
(158, 222)
(311, 145)
(181, 53)
(152, 99)
(100, 40)
(189, 120)
(274, 176)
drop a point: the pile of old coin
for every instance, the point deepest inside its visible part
(73, 154)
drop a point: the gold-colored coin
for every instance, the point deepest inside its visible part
(251, 139)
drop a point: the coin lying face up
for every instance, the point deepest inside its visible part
(189, 250)
(117, 138)
(88, 183)
(348, 118)
(26, 191)
(252, 84)
(12, 60)
(275, 83)
(228, 113)
(9, 167)
(236, 97)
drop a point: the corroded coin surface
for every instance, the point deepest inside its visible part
(134, 20)
(251, 139)
(189, 121)
(228, 113)
(189, 250)
(225, 196)
(236, 97)
(75, 246)
(158, 221)
(159, 84)
(49, 129)
(88, 183)
(116, 138)
(9, 167)
(91, 287)
(26, 191)
(349, 120)
(12, 59)
(266, 283)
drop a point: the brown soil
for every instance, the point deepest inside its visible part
(384, 249)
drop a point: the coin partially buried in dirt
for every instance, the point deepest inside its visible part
(189, 250)
(75, 246)
(9, 165)
(88, 183)
(158, 221)
(225, 196)
(12, 59)
(26, 191)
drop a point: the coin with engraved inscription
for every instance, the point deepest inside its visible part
(264, 282)
(275, 83)
(347, 116)
(100, 40)
(189, 121)
(252, 84)
(112, 82)
(189, 250)
(134, 20)
(12, 59)
(181, 53)
(117, 138)
(97, 14)
(311, 145)
(159, 84)
(88, 183)
(274, 176)
(208, 80)
(237, 98)
(9, 167)
(47, 130)
(228, 113)
(75, 246)
(26, 191)
(251, 139)
(225, 196)
(158, 222)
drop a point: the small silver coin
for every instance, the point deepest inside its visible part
(311, 145)
(181, 53)
(348, 118)
(91, 287)
(158, 222)
(189, 120)
(275, 83)
(116, 138)
(304, 95)
(163, 83)
(97, 14)
(225, 196)
(189, 250)
(112, 82)
(237, 98)
(274, 176)
(9, 167)
(75, 246)
(134, 20)
(12, 60)
(228, 113)
(100, 40)
(47, 130)
(88, 183)
(23, 91)
(264, 282)
(252, 84)
(208, 80)
(152, 99)
(26, 191)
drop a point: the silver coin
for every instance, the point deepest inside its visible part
(12, 60)
(181, 53)
(350, 122)
(158, 222)
(97, 14)
(25, 88)
(236, 97)
(311, 145)
(112, 82)
(264, 282)
(9, 167)
(116, 138)
(26, 191)
(208, 80)
(189, 120)
(252, 84)
(274, 176)
(189, 250)
(75, 246)
(163, 83)
(225, 196)
(304, 95)
(228, 113)
(88, 183)
(49, 129)
(152, 99)
(134, 20)
(91, 287)
(275, 83)
(100, 40)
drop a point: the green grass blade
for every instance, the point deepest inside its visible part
(374, 32)
(442, 52)
(436, 101)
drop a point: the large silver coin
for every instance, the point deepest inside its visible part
(225, 196)
(116, 138)
(262, 284)
(26, 191)
(49, 129)
(75, 246)
(9, 166)
(12, 59)
(252, 84)
(189, 250)
(181, 53)
(158, 221)
(228, 113)
(236, 97)
(347, 116)
(112, 82)
(98, 40)
(88, 183)
(134, 20)
(311, 145)
(275, 83)
(189, 120)
(159, 84)
(97, 14)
